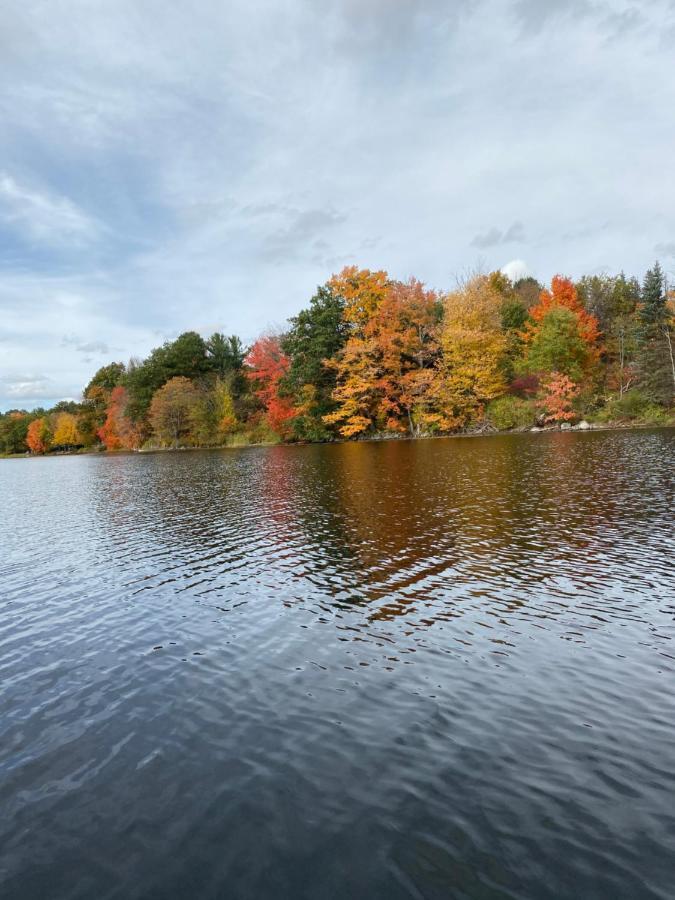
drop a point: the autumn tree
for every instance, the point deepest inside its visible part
(563, 294)
(561, 336)
(558, 397)
(214, 415)
(118, 432)
(557, 346)
(384, 371)
(268, 367)
(473, 345)
(409, 318)
(38, 436)
(172, 410)
(362, 292)
(66, 431)
(95, 399)
(226, 415)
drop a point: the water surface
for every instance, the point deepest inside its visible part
(434, 669)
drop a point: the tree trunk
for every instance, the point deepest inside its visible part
(410, 423)
(668, 336)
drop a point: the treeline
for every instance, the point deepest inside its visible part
(372, 356)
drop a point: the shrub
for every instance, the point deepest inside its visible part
(525, 385)
(633, 405)
(510, 412)
(558, 399)
(655, 415)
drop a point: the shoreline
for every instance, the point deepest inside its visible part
(374, 439)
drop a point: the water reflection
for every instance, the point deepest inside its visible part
(416, 669)
(429, 531)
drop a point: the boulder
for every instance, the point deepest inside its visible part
(583, 425)
(565, 426)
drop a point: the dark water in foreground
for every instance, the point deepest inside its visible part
(438, 669)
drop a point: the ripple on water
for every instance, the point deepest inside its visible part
(416, 669)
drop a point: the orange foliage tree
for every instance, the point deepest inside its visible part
(385, 369)
(267, 367)
(563, 295)
(118, 432)
(559, 394)
(362, 292)
(38, 436)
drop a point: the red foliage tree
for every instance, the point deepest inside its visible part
(524, 385)
(267, 367)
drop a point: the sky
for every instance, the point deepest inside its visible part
(204, 166)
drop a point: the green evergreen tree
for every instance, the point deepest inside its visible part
(316, 334)
(653, 297)
(226, 354)
(655, 362)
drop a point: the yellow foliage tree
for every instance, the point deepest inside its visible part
(473, 345)
(225, 411)
(358, 372)
(66, 432)
(362, 291)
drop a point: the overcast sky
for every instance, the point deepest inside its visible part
(204, 165)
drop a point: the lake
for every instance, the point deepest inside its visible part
(431, 669)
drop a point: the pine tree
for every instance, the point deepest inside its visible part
(657, 378)
(653, 297)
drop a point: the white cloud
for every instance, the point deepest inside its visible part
(44, 217)
(212, 176)
(24, 387)
(516, 269)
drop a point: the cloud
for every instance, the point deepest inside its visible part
(383, 27)
(630, 21)
(302, 232)
(24, 387)
(213, 176)
(494, 237)
(72, 340)
(665, 249)
(43, 216)
(534, 15)
(93, 347)
(516, 269)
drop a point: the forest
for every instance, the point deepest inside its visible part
(372, 357)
